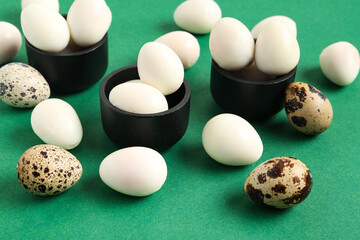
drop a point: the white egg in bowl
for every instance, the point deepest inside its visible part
(159, 130)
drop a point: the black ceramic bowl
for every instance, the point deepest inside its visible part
(68, 72)
(158, 131)
(252, 100)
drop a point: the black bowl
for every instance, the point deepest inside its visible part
(69, 72)
(252, 100)
(158, 131)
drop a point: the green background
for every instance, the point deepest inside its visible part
(200, 199)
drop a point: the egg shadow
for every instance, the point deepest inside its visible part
(167, 27)
(195, 156)
(279, 127)
(316, 78)
(94, 140)
(23, 137)
(239, 204)
(17, 196)
(94, 187)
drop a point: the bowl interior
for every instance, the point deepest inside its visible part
(231, 76)
(79, 51)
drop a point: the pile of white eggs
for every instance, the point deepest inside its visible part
(45, 28)
(160, 65)
(275, 53)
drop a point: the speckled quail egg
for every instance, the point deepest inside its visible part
(22, 85)
(48, 170)
(281, 182)
(308, 109)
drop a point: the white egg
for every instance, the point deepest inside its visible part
(231, 140)
(10, 41)
(231, 44)
(135, 81)
(135, 171)
(160, 67)
(290, 24)
(89, 21)
(340, 63)
(53, 4)
(184, 44)
(197, 16)
(277, 50)
(55, 122)
(44, 28)
(138, 98)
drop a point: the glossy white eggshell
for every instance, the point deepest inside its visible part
(184, 44)
(138, 98)
(55, 122)
(135, 171)
(231, 44)
(160, 67)
(44, 28)
(340, 63)
(231, 140)
(10, 41)
(53, 4)
(89, 21)
(288, 22)
(277, 50)
(197, 16)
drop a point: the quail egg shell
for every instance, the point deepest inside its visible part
(184, 44)
(135, 171)
(231, 140)
(44, 28)
(160, 67)
(290, 24)
(53, 4)
(231, 44)
(277, 51)
(10, 41)
(308, 110)
(280, 182)
(89, 21)
(197, 16)
(340, 63)
(138, 98)
(22, 85)
(48, 170)
(55, 122)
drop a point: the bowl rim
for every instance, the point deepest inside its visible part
(71, 54)
(175, 108)
(230, 76)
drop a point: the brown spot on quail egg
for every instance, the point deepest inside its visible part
(307, 108)
(48, 170)
(284, 182)
(22, 85)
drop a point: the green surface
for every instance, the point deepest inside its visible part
(200, 199)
